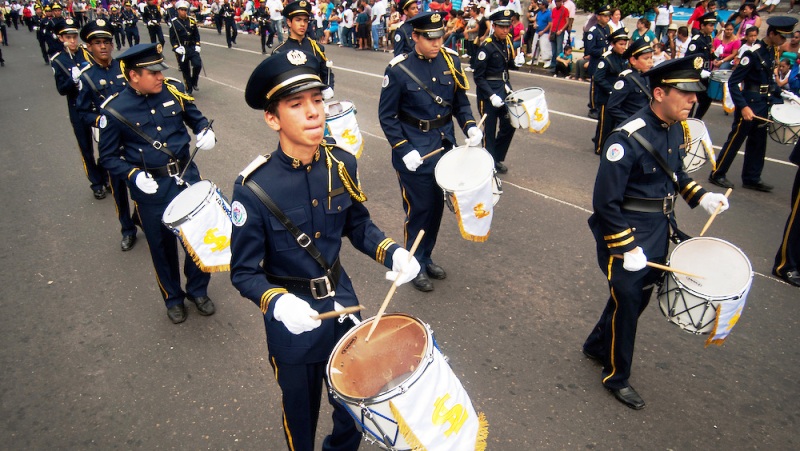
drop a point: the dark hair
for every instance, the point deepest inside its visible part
(644, 22)
(683, 31)
(567, 47)
(750, 30)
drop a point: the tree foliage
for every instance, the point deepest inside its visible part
(627, 7)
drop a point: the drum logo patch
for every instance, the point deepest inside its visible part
(219, 242)
(615, 152)
(238, 214)
(480, 211)
(455, 415)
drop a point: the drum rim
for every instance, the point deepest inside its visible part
(784, 106)
(718, 298)
(343, 113)
(529, 88)
(453, 153)
(425, 362)
(178, 221)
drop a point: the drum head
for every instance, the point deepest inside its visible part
(697, 129)
(464, 168)
(187, 201)
(360, 369)
(786, 113)
(726, 270)
(721, 75)
(525, 94)
(338, 108)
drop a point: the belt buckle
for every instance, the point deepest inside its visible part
(763, 89)
(173, 169)
(424, 125)
(668, 205)
(321, 283)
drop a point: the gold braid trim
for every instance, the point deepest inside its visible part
(462, 82)
(352, 187)
(178, 94)
(687, 137)
(316, 48)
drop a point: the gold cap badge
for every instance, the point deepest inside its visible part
(296, 57)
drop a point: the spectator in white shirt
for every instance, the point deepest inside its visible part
(275, 7)
(664, 13)
(378, 13)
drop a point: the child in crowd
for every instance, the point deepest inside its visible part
(659, 55)
(564, 62)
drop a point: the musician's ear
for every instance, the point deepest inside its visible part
(273, 120)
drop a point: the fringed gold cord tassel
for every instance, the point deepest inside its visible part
(687, 137)
(483, 433)
(461, 82)
(317, 49)
(178, 94)
(405, 430)
(350, 185)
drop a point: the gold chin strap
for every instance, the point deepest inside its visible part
(352, 187)
(460, 77)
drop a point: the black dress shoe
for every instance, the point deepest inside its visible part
(629, 397)
(435, 271)
(422, 283)
(127, 243)
(177, 313)
(99, 193)
(500, 167)
(590, 356)
(720, 181)
(196, 88)
(759, 186)
(204, 305)
(791, 277)
(593, 114)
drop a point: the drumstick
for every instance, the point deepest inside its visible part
(665, 268)
(432, 153)
(480, 122)
(393, 287)
(716, 212)
(194, 152)
(763, 119)
(336, 313)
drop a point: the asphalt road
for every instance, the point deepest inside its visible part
(90, 361)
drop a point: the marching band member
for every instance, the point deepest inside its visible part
(756, 73)
(403, 42)
(495, 56)
(594, 48)
(129, 18)
(787, 260)
(631, 91)
(185, 40)
(143, 139)
(640, 175)
(151, 16)
(115, 18)
(100, 81)
(608, 69)
(703, 44)
(310, 186)
(54, 44)
(297, 15)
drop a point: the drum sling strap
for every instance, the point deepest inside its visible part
(438, 99)
(677, 235)
(643, 88)
(318, 288)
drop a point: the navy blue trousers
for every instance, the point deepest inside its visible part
(423, 203)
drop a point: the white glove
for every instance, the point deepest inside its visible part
(206, 139)
(497, 102)
(519, 60)
(327, 93)
(35, 28)
(635, 260)
(76, 74)
(295, 314)
(403, 267)
(474, 137)
(180, 50)
(146, 183)
(710, 202)
(412, 160)
(705, 74)
(197, 48)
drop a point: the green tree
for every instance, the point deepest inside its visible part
(627, 7)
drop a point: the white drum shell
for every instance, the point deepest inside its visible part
(188, 204)
(515, 101)
(785, 128)
(464, 168)
(695, 156)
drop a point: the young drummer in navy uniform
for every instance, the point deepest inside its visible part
(262, 17)
(54, 44)
(640, 175)
(403, 42)
(315, 185)
(129, 19)
(703, 44)
(229, 16)
(631, 91)
(422, 92)
(148, 148)
(492, 84)
(297, 15)
(101, 81)
(608, 69)
(151, 16)
(185, 40)
(755, 72)
(787, 260)
(115, 18)
(38, 25)
(67, 66)
(595, 45)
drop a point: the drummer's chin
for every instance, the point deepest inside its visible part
(315, 134)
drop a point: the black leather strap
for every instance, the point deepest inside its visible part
(156, 144)
(438, 99)
(659, 159)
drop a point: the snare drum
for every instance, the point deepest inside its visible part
(201, 217)
(341, 124)
(692, 303)
(527, 108)
(785, 128)
(717, 79)
(471, 189)
(699, 149)
(398, 381)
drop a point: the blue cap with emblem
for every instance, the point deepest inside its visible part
(620, 34)
(144, 56)
(404, 4)
(782, 25)
(280, 75)
(298, 8)
(502, 17)
(66, 27)
(429, 24)
(680, 73)
(639, 47)
(708, 19)
(96, 29)
(604, 10)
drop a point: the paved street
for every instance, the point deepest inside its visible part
(90, 360)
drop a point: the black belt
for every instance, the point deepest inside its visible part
(318, 288)
(188, 43)
(761, 89)
(664, 205)
(422, 124)
(172, 169)
(497, 77)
